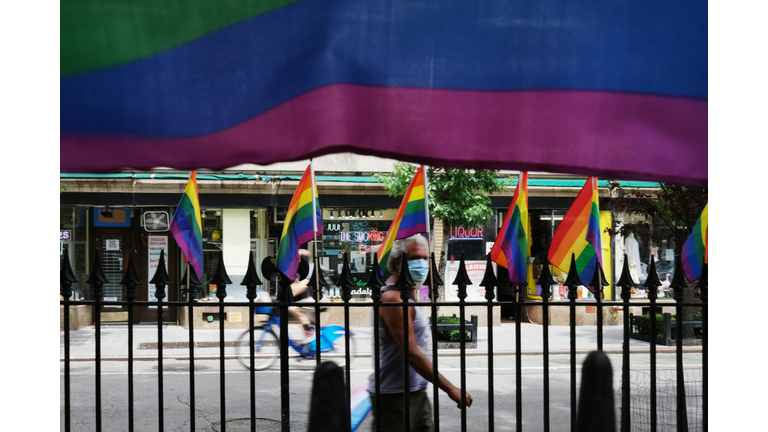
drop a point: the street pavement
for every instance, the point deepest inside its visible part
(114, 341)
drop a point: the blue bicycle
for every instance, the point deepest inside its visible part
(266, 339)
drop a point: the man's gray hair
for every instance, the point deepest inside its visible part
(398, 249)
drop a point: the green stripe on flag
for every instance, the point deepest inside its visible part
(97, 34)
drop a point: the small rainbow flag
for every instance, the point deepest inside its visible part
(187, 228)
(579, 233)
(696, 248)
(411, 217)
(299, 226)
(510, 249)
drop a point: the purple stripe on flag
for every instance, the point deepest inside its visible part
(639, 137)
(416, 229)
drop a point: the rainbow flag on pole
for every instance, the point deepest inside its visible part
(579, 233)
(696, 248)
(299, 227)
(187, 228)
(510, 249)
(411, 217)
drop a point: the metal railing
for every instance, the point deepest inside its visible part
(580, 415)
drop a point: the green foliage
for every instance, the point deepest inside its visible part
(457, 196)
(63, 187)
(452, 335)
(679, 207)
(642, 324)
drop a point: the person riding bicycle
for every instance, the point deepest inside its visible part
(301, 293)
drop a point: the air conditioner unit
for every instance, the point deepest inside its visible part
(155, 221)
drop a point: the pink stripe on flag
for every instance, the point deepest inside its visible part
(612, 135)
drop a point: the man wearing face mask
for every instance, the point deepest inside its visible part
(391, 342)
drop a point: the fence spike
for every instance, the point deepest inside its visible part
(130, 279)
(404, 281)
(598, 275)
(489, 280)
(375, 281)
(161, 274)
(462, 278)
(220, 278)
(626, 278)
(66, 274)
(679, 280)
(251, 279)
(545, 278)
(434, 273)
(97, 274)
(345, 280)
(573, 279)
(653, 281)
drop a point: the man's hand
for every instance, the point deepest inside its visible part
(455, 395)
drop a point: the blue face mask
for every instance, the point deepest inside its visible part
(419, 270)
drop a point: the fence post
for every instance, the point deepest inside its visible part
(346, 283)
(489, 282)
(678, 285)
(97, 281)
(626, 283)
(597, 283)
(597, 410)
(434, 281)
(160, 280)
(285, 296)
(462, 280)
(221, 279)
(703, 295)
(405, 282)
(545, 281)
(572, 281)
(191, 281)
(251, 281)
(652, 284)
(66, 279)
(130, 281)
(329, 408)
(376, 281)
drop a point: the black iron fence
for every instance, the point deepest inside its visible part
(639, 406)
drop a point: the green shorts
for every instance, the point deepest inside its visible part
(391, 412)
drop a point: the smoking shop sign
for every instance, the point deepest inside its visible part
(155, 245)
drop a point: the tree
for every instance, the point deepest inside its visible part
(456, 196)
(679, 207)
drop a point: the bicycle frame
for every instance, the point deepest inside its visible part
(328, 335)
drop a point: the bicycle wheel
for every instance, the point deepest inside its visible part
(265, 351)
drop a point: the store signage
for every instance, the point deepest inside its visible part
(155, 244)
(362, 236)
(332, 227)
(363, 249)
(461, 232)
(65, 235)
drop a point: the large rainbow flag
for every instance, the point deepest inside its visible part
(696, 248)
(299, 227)
(579, 234)
(607, 88)
(510, 249)
(187, 228)
(411, 217)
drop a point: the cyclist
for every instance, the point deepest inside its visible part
(300, 293)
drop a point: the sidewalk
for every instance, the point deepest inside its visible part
(114, 342)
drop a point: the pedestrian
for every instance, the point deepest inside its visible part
(391, 342)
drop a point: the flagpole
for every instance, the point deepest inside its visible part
(314, 220)
(430, 242)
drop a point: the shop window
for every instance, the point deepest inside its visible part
(258, 238)
(73, 226)
(213, 235)
(360, 233)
